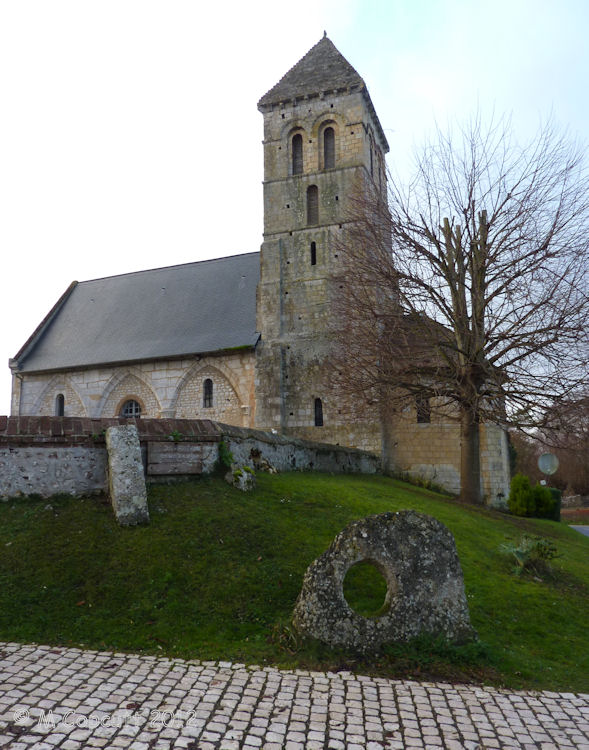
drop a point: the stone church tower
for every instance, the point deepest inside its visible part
(322, 143)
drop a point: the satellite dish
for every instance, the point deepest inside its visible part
(548, 463)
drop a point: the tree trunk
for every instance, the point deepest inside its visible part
(470, 460)
(388, 442)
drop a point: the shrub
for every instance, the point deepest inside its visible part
(520, 496)
(525, 500)
(557, 497)
(531, 555)
(543, 502)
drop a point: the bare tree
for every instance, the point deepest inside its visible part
(470, 286)
(566, 433)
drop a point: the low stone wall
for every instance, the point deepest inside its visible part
(52, 469)
(284, 453)
(51, 455)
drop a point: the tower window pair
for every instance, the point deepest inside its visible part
(328, 151)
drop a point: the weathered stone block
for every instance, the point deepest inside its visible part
(126, 480)
(241, 477)
(416, 555)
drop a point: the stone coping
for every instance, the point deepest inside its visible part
(82, 430)
(31, 430)
(245, 433)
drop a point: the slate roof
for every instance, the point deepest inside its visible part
(322, 70)
(195, 308)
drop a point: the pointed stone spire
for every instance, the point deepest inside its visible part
(321, 70)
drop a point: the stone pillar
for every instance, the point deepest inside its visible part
(126, 480)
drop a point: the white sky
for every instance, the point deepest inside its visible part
(130, 138)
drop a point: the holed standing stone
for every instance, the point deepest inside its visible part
(416, 554)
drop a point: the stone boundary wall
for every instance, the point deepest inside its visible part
(51, 455)
(290, 454)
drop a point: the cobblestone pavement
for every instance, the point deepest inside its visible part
(73, 699)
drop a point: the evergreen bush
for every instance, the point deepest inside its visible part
(557, 497)
(524, 500)
(543, 502)
(520, 496)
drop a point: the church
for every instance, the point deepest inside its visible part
(245, 339)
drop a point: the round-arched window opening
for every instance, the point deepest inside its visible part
(329, 148)
(60, 405)
(365, 589)
(131, 409)
(297, 154)
(312, 205)
(207, 394)
(318, 413)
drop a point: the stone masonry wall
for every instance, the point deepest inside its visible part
(300, 263)
(53, 455)
(431, 451)
(287, 454)
(165, 388)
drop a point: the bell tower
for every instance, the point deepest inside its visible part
(322, 143)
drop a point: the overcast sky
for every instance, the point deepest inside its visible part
(130, 137)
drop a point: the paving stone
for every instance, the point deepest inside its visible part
(142, 703)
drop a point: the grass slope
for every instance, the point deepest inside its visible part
(217, 572)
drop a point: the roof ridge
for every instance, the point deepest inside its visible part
(166, 268)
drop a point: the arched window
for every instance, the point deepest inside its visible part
(207, 394)
(297, 154)
(328, 148)
(59, 405)
(131, 409)
(312, 205)
(313, 253)
(318, 413)
(424, 410)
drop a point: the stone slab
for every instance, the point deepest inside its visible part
(126, 479)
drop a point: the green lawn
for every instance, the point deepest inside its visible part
(217, 572)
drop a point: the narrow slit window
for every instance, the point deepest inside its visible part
(329, 148)
(313, 253)
(297, 154)
(207, 394)
(131, 409)
(59, 405)
(424, 410)
(312, 205)
(318, 413)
